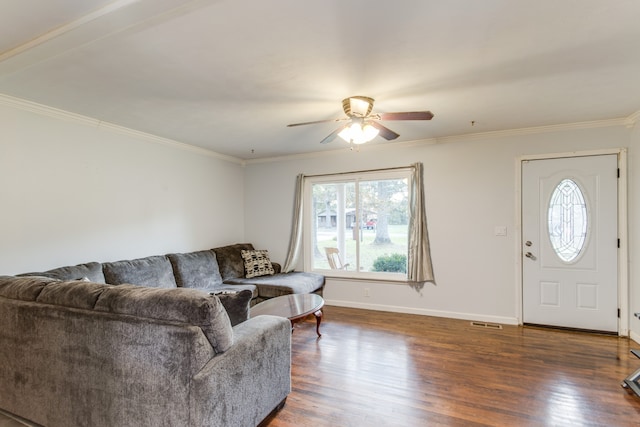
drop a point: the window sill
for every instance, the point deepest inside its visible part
(371, 277)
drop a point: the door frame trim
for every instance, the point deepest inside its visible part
(623, 231)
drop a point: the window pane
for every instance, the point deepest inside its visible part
(333, 208)
(364, 221)
(568, 220)
(384, 207)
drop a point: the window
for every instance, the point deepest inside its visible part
(568, 220)
(365, 216)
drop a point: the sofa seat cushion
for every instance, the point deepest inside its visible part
(283, 283)
(152, 271)
(181, 305)
(90, 270)
(230, 260)
(196, 270)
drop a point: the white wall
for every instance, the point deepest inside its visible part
(72, 191)
(470, 189)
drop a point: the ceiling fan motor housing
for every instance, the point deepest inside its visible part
(357, 106)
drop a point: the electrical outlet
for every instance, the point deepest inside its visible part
(367, 292)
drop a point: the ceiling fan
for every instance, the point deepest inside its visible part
(362, 126)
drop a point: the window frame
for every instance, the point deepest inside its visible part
(350, 177)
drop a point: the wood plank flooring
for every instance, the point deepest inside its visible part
(374, 368)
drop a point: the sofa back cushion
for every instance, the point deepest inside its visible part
(76, 294)
(183, 306)
(196, 270)
(177, 305)
(153, 271)
(230, 260)
(90, 270)
(26, 288)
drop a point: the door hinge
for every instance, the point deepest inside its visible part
(618, 243)
(618, 172)
(618, 313)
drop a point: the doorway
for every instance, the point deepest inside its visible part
(570, 242)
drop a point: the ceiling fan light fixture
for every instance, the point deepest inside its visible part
(369, 132)
(358, 134)
(348, 132)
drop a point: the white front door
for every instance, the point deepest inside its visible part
(570, 242)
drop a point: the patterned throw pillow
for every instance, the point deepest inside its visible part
(257, 263)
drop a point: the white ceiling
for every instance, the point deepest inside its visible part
(230, 75)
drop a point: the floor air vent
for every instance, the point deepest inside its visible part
(486, 325)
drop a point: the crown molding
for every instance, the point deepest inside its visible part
(632, 119)
(627, 121)
(300, 156)
(59, 114)
(535, 130)
(45, 110)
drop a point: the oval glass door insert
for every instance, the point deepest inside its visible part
(568, 220)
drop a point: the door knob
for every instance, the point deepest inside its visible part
(530, 255)
(528, 243)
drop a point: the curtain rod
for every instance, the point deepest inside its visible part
(361, 171)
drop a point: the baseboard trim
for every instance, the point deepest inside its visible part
(426, 312)
(634, 336)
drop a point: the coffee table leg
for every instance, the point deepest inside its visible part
(318, 315)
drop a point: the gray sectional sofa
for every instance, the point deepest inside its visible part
(215, 270)
(268, 286)
(146, 342)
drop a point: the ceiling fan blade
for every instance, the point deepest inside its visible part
(318, 121)
(385, 132)
(333, 134)
(412, 115)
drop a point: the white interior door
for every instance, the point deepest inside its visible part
(570, 242)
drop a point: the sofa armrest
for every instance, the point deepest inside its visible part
(241, 386)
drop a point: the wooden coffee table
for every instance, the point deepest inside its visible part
(294, 307)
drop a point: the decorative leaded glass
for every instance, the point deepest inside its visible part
(568, 220)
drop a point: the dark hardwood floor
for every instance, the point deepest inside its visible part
(385, 369)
